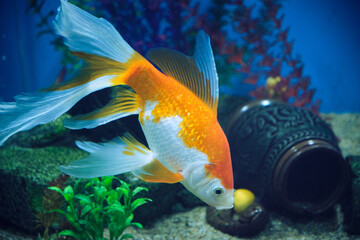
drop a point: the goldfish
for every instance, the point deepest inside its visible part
(174, 95)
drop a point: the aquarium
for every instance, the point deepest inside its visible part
(179, 119)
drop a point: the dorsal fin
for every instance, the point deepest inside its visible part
(197, 73)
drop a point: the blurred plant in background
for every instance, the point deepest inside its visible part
(249, 42)
(50, 200)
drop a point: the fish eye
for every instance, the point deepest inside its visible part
(218, 191)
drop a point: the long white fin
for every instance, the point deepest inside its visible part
(119, 156)
(86, 33)
(37, 108)
(106, 54)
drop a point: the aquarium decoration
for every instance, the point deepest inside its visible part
(93, 204)
(243, 198)
(250, 44)
(24, 173)
(274, 145)
(50, 200)
(249, 222)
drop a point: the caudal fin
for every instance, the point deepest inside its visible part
(108, 57)
(37, 108)
(86, 33)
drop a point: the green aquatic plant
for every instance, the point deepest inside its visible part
(92, 205)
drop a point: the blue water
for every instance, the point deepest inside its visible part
(326, 34)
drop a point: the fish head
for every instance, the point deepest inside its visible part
(216, 195)
(208, 189)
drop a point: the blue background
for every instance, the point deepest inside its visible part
(326, 33)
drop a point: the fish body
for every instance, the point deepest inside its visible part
(177, 109)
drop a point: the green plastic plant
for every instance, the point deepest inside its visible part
(98, 206)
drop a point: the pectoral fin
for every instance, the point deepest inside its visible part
(155, 171)
(121, 155)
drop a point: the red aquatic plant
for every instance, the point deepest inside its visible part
(261, 54)
(50, 200)
(250, 44)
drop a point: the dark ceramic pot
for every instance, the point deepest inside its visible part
(287, 156)
(249, 223)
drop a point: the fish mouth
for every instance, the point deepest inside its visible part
(224, 207)
(227, 204)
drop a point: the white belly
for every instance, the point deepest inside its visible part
(166, 145)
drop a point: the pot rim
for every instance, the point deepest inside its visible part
(291, 157)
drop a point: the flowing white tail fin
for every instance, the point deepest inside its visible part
(108, 57)
(30, 110)
(86, 33)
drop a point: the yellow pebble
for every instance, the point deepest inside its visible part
(243, 198)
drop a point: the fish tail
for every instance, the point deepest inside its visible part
(98, 43)
(108, 60)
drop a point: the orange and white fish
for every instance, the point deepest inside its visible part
(177, 109)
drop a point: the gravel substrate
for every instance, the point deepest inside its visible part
(192, 224)
(347, 128)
